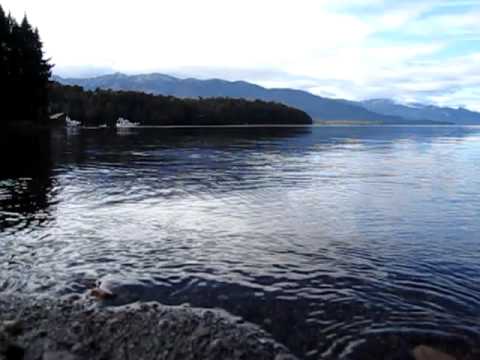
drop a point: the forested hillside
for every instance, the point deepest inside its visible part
(99, 107)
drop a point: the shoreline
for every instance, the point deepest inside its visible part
(78, 329)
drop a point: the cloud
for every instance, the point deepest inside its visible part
(82, 71)
(357, 49)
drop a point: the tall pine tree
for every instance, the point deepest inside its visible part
(24, 72)
(5, 72)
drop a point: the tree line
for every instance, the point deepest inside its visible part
(24, 72)
(104, 107)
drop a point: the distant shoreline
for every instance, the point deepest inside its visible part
(280, 126)
(30, 125)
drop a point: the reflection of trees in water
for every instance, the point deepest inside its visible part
(206, 136)
(25, 177)
(184, 159)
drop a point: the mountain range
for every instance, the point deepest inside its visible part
(321, 109)
(417, 111)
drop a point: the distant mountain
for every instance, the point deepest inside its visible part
(417, 111)
(319, 108)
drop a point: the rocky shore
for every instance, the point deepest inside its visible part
(78, 329)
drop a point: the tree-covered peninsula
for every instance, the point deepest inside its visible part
(104, 107)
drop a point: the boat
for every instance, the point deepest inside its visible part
(125, 123)
(72, 123)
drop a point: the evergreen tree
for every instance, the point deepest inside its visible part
(24, 73)
(5, 41)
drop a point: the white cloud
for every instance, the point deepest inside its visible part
(165, 34)
(326, 46)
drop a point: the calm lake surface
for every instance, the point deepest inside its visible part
(342, 242)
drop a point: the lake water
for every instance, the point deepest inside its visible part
(342, 242)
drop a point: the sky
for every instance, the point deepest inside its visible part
(424, 51)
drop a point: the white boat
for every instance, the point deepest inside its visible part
(125, 123)
(72, 123)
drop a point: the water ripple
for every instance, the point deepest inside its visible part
(344, 243)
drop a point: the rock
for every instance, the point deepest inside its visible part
(9, 349)
(200, 332)
(59, 355)
(423, 352)
(12, 327)
(118, 290)
(84, 330)
(284, 357)
(13, 352)
(101, 294)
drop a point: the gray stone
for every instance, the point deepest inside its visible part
(59, 355)
(57, 330)
(285, 357)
